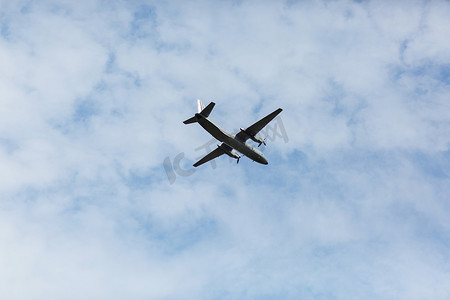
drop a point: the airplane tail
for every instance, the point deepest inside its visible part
(200, 106)
(207, 110)
(202, 111)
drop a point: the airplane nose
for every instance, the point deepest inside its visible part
(264, 161)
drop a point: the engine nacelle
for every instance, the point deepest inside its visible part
(256, 139)
(231, 153)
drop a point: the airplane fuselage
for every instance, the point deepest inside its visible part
(229, 139)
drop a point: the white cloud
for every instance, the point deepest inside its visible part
(93, 96)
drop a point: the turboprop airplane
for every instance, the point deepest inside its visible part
(231, 142)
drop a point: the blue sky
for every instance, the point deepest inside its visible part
(353, 205)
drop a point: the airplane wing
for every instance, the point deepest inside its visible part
(255, 128)
(211, 155)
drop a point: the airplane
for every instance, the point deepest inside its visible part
(231, 142)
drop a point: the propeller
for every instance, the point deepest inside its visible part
(238, 158)
(263, 142)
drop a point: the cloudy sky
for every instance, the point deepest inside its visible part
(97, 196)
